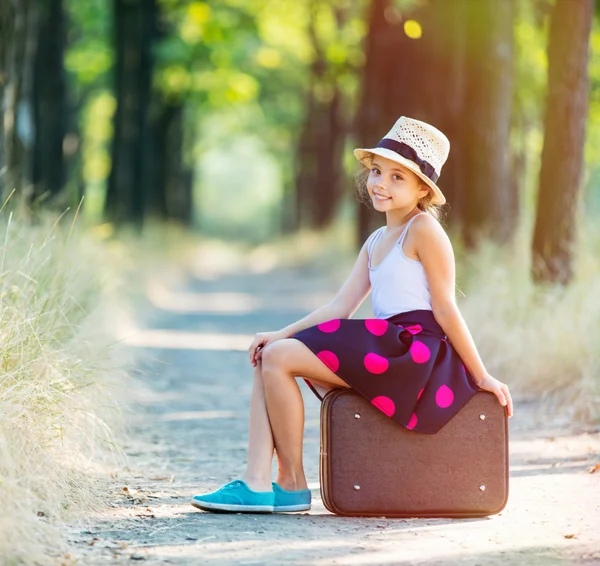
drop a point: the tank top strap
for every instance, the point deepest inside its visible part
(403, 235)
(371, 240)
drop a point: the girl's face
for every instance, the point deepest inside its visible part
(392, 186)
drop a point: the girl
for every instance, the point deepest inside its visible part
(416, 361)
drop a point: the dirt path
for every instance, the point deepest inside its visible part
(190, 436)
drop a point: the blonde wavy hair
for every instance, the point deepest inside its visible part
(424, 204)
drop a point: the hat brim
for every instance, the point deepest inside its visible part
(362, 154)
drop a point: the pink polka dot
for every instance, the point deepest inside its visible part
(419, 352)
(420, 393)
(412, 423)
(444, 397)
(385, 405)
(414, 329)
(329, 359)
(376, 326)
(375, 363)
(329, 326)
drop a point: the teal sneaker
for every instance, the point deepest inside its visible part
(236, 497)
(291, 500)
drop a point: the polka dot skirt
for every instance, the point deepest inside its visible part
(404, 365)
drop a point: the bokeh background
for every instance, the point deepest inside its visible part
(236, 118)
(141, 138)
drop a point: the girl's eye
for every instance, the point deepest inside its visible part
(398, 177)
(375, 170)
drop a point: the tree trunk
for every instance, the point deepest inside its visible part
(135, 27)
(444, 41)
(385, 96)
(489, 63)
(373, 118)
(49, 101)
(564, 137)
(169, 179)
(305, 165)
(20, 19)
(320, 172)
(320, 148)
(179, 176)
(6, 19)
(73, 150)
(171, 196)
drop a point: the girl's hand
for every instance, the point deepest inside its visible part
(260, 341)
(489, 383)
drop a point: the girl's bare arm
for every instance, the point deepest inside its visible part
(435, 252)
(345, 303)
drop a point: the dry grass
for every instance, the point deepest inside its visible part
(57, 380)
(544, 341)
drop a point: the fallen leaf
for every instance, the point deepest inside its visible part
(570, 536)
(594, 469)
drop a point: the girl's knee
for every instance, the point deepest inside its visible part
(274, 355)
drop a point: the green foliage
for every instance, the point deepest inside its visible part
(89, 53)
(592, 150)
(530, 80)
(247, 65)
(206, 52)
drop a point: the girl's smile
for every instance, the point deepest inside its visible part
(380, 198)
(391, 184)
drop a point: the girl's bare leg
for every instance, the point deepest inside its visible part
(281, 362)
(260, 438)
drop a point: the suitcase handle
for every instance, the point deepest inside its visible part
(313, 389)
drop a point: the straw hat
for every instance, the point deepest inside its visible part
(418, 146)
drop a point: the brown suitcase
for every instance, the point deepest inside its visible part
(372, 466)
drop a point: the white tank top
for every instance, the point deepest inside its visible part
(398, 283)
